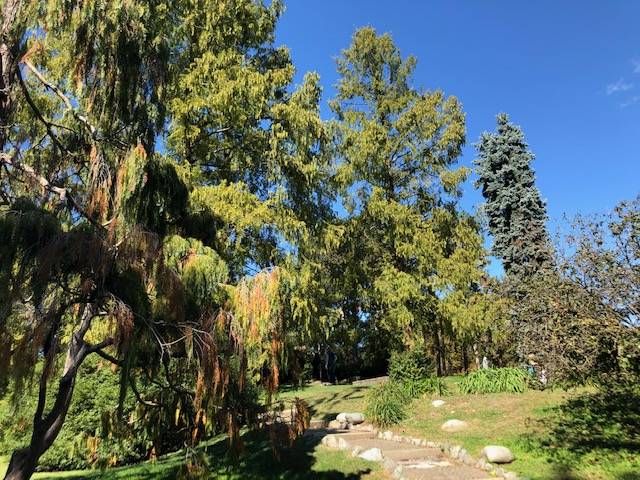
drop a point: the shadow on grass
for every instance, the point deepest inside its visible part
(257, 462)
(593, 430)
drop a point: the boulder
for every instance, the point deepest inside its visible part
(352, 418)
(355, 418)
(454, 425)
(372, 454)
(498, 454)
(437, 403)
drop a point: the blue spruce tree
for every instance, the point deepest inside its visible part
(516, 213)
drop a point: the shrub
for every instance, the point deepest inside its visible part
(386, 404)
(495, 380)
(409, 366)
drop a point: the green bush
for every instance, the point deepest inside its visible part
(495, 380)
(430, 385)
(410, 366)
(386, 404)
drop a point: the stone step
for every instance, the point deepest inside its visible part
(428, 470)
(413, 454)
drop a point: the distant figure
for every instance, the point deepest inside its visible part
(543, 377)
(330, 364)
(485, 363)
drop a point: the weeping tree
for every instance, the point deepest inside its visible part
(407, 245)
(110, 248)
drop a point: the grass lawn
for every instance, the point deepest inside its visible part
(595, 437)
(306, 460)
(589, 441)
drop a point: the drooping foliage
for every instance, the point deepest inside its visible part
(113, 248)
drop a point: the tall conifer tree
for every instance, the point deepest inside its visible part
(516, 212)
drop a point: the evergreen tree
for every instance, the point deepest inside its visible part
(516, 213)
(407, 248)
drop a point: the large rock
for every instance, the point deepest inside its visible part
(373, 454)
(437, 403)
(498, 454)
(454, 425)
(352, 418)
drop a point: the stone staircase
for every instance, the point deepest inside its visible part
(407, 458)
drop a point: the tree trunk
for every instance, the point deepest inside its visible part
(8, 64)
(46, 428)
(437, 352)
(465, 358)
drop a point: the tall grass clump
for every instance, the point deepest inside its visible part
(495, 380)
(410, 377)
(386, 404)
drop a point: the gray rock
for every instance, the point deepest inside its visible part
(372, 454)
(510, 476)
(437, 403)
(498, 454)
(354, 418)
(336, 425)
(454, 425)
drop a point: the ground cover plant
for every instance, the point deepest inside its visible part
(495, 380)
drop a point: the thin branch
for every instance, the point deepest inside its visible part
(60, 94)
(108, 357)
(63, 193)
(37, 112)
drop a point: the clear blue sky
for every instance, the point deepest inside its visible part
(563, 70)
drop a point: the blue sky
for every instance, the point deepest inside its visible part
(567, 71)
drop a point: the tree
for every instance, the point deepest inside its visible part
(110, 247)
(516, 213)
(406, 247)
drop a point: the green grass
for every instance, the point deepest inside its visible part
(586, 441)
(327, 401)
(306, 459)
(594, 437)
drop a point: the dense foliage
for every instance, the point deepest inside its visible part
(515, 210)
(181, 231)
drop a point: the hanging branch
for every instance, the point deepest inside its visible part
(60, 94)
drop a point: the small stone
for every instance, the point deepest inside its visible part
(455, 451)
(331, 441)
(416, 441)
(387, 435)
(437, 403)
(336, 425)
(342, 444)
(372, 454)
(510, 476)
(454, 425)
(497, 454)
(342, 417)
(356, 451)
